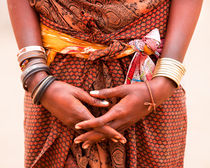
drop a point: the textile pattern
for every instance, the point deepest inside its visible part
(93, 16)
(156, 141)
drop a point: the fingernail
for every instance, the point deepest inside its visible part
(103, 139)
(77, 141)
(77, 127)
(104, 102)
(114, 140)
(94, 92)
(123, 141)
(117, 137)
(86, 146)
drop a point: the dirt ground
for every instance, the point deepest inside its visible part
(196, 83)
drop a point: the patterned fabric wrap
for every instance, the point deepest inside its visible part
(90, 19)
(156, 141)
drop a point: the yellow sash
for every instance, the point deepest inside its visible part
(57, 42)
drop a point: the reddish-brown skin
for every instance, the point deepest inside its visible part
(182, 21)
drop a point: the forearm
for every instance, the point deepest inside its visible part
(26, 28)
(182, 21)
(25, 23)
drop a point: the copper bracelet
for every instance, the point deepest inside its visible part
(151, 104)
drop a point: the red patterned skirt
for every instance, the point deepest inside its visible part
(156, 141)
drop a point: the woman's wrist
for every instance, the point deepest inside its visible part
(35, 79)
(161, 80)
(162, 88)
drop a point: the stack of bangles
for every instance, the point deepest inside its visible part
(170, 68)
(32, 59)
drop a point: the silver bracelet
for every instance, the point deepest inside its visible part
(31, 48)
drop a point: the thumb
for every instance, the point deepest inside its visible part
(119, 91)
(87, 98)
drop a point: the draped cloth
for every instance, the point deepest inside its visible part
(156, 141)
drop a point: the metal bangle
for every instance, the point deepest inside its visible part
(36, 87)
(32, 70)
(40, 86)
(42, 89)
(29, 55)
(169, 68)
(34, 61)
(31, 48)
(25, 85)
